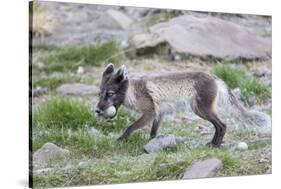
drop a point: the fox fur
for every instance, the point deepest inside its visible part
(155, 96)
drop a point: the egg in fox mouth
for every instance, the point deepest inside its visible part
(110, 112)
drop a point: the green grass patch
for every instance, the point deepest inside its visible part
(53, 83)
(63, 113)
(37, 7)
(160, 17)
(70, 113)
(237, 77)
(65, 121)
(44, 47)
(69, 58)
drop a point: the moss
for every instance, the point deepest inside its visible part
(237, 77)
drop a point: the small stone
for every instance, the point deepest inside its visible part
(82, 164)
(203, 169)
(262, 72)
(76, 89)
(40, 65)
(68, 168)
(252, 100)
(124, 44)
(49, 151)
(43, 171)
(94, 132)
(242, 146)
(80, 70)
(269, 170)
(237, 93)
(263, 160)
(159, 143)
(204, 133)
(177, 57)
(38, 91)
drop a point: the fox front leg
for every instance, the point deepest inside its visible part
(141, 122)
(155, 126)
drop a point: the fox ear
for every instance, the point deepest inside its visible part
(109, 69)
(122, 74)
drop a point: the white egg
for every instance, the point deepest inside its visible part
(242, 146)
(110, 112)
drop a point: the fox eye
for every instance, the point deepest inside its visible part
(110, 93)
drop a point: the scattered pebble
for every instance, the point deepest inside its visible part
(40, 65)
(177, 57)
(80, 70)
(124, 44)
(43, 171)
(94, 132)
(38, 91)
(263, 160)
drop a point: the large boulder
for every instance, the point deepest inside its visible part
(76, 89)
(114, 19)
(206, 36)
(203, 168)
(49, 151)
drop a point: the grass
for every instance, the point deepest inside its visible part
(63, 112)
(65, 122)
(44, 47)
(160, 17)
(237, 77)
(121, 169)
(69, 58)
(53, 83)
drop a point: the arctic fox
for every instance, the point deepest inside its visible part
(153, 96)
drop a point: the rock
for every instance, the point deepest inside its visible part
(124, 44)
(269, 171)
(76, 89)
(242, 146)
(203, 168)
(114, 19)
(206, 36)
(83, 165)
(159, 143)
(40, 65)
(203, 130)
(94, 132)
(263, 160)
(38, 91)
(237, 93)
(68, 168)
(252, 100)
(177, 57)
(43, 171)
(80, 70)
(49, 151)
(262, 72)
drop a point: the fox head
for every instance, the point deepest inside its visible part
(113, 89)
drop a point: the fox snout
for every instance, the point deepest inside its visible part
(98, 111)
